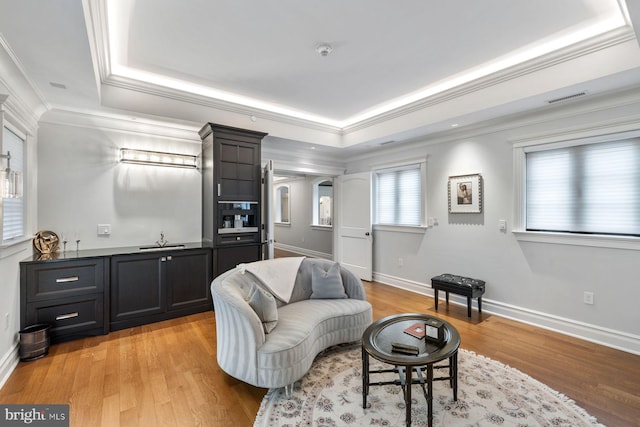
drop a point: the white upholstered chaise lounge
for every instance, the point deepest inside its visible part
(327, 306)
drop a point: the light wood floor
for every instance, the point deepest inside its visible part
(166, 373)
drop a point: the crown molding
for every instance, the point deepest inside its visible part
(106, 121)
(25, 101)
(304, 168)
(626, 98)
(95, 17)
(586, 47)
(195, 99)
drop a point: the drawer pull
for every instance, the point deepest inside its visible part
(67, 279)
(67, 316)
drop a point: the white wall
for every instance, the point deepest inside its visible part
(82, 184)
(300, 236)
(19, 109)
(10, 307)
(539, 283)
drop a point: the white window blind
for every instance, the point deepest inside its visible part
(589, 189)
(13, 208)
(399, 196)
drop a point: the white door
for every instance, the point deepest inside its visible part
(354, 241)
(267, 203)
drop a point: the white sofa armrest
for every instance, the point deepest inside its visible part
(237, 326)
(352, 285)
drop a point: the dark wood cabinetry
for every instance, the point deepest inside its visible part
(239, 172)
(136, 289)
(68, 295)
(157, 286)
(80, 294)
(227, 258)
(231, 194)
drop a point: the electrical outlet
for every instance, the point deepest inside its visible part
(6, 321)
(588, 298)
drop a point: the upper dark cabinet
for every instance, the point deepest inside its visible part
(239, 170)
(231, 163)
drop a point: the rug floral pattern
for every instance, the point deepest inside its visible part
(489, 394)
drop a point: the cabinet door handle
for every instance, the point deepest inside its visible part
(163, 259)
(169, 258)
(219, 190)
(67, 316)
(67, 279)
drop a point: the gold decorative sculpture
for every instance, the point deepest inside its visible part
(46, 242)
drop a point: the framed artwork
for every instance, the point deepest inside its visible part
(465, 194)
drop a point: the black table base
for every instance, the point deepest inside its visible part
(424, 375)
(378, 341)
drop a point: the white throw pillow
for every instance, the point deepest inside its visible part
(264, 304)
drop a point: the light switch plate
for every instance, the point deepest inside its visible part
(104, 229)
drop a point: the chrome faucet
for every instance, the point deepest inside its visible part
(162, 242)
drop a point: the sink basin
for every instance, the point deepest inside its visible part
(160, 248)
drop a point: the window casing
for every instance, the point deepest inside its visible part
(13, 209)
(323, 202)
(282, 204)
(400, 195)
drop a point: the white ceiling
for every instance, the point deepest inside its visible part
(202, 60)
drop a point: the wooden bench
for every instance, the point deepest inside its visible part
(466, 286)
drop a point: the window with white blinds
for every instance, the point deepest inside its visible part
(13, 218)
(587, 189)
(399, 196)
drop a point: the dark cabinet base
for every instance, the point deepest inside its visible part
(68, 295)
(82, 296)
(139, 321)
(70, 318)
(226, 258)
(148, 288)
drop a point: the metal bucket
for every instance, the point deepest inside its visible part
(34, 342)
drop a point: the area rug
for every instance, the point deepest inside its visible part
(489, 393)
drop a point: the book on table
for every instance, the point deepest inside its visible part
(415, 330)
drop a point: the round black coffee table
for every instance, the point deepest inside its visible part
(376, 342)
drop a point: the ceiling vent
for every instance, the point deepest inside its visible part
(566, 98)
(57, 85)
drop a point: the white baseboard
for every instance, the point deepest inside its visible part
(8, 364)
(303, 251)
(407, 285)
(588, 332)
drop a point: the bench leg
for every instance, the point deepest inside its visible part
(468, 306)
(479, 304)
(436, 295)
(447, 292)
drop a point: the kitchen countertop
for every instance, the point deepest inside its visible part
(105, 252)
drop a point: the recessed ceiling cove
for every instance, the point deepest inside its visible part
(384, 54)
